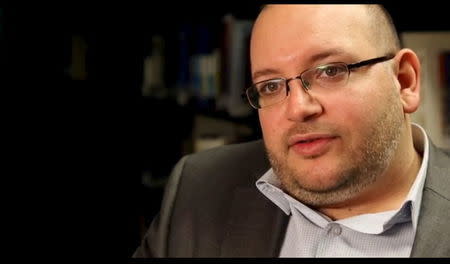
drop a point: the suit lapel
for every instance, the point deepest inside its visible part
(433, 233)
(255, 227)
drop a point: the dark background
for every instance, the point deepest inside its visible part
(94, 137)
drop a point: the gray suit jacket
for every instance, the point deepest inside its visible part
(212, 208)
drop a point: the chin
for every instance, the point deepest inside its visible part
(321, 179)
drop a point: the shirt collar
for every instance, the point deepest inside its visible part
(421, 144)
(270, 186)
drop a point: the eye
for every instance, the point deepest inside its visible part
(331, 71)
(269, 87)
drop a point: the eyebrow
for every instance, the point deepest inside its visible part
(314, 58)
(325, 54)
(264, 72)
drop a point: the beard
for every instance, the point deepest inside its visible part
(359, 167)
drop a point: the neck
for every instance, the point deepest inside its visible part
(389, 190)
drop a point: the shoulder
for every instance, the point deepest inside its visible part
(200, 193)
(235, 153)
(439, 157)
(446, 153)
(438, 172)
(235, 159)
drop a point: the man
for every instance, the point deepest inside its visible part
(346, 173)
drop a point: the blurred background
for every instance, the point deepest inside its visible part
(129, 89)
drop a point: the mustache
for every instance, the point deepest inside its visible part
(310, 128)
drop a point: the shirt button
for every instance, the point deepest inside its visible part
(335, 229)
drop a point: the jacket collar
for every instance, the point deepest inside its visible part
(433, 235)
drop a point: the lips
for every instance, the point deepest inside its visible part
(311, 145)
(306, 141)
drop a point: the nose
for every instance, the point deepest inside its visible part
(301, 106)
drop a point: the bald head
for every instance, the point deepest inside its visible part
(383, 27)
(379, 23)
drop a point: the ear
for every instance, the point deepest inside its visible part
(407, 70)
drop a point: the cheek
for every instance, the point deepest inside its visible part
(271, 125)
(355, 117)
(350, 113)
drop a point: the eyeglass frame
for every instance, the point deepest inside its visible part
(349, 66)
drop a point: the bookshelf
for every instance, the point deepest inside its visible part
(187, 95)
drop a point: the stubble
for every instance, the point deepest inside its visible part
(360, 167)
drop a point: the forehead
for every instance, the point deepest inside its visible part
(283, 33)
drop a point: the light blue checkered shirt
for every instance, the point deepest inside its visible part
(386, 234)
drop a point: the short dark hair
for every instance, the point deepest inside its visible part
(383, 27)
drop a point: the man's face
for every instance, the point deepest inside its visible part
(325, 148)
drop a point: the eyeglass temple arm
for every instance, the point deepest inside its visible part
(371, 61)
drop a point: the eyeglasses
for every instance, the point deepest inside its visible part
(322, 78)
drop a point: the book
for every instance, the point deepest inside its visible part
(153, 84)
(236, 70)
